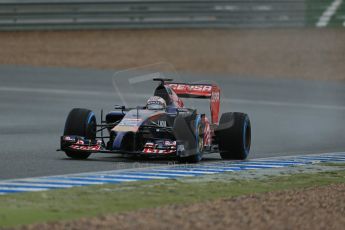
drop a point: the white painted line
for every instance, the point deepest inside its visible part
(53, 91)
(22, 189)
(322, 159)
(328, 13)
(62, 181)
(143, 171)
(97, 179)
(282, 163)
(340, 157)
(35, 185)
(284, 104)
(133, 176)
(237, 101)
(220, 167)
(259, 165)
(325, 157)
(201, 170)
(268, 103)
(334, 153)
(294, 157)
(275, 161)
(182, 171)
(152, 172)
(329, 156)
(215, 169)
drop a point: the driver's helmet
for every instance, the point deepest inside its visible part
(156, 103)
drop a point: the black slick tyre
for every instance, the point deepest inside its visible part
(80, 122)
(234, 136)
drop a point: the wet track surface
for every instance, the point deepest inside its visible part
(288, 117)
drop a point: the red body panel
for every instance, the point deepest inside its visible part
(210, 91)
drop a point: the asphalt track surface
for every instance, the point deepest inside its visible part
(289, 117)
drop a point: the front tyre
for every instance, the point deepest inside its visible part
(80, 122)
(234, 136)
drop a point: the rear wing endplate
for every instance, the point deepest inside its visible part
(210, 91)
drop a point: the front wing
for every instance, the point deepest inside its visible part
(81, 144)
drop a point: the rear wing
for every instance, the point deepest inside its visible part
(210, 91)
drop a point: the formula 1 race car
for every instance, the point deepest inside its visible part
(162, 127)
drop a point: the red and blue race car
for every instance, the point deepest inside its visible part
(162, 127)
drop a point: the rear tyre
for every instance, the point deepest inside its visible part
(80, 122)
(189, 130)
(234, 136)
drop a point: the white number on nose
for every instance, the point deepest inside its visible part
(162, 123)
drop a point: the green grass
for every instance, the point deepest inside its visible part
(333, 164)
(26, 208)
(339, 17)
(315, 8)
